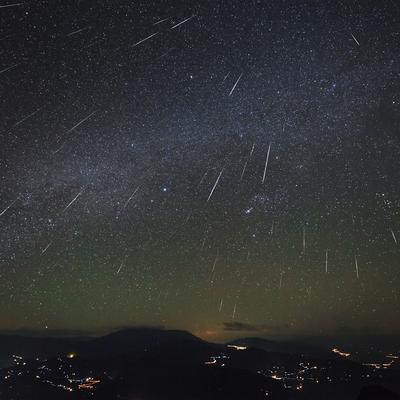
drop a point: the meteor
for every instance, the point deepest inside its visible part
(143, 40)
(355, 39)
(215, 185)
(234, 86)
(266, 163)
(73, 200)
(182, 22)
(5, 210)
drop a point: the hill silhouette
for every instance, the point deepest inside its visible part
(158, 364)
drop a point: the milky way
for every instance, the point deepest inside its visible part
(205, 165)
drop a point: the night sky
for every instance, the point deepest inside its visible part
(225, 167)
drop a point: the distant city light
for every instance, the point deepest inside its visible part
(340, 353)
(237, 347)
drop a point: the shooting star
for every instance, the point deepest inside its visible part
(304, 240)
(66, 141)
(73, 200)
(266, 163)
(12, 5)
(220, 305)
(182, 22)
(355, 39)
(202, 178)
(130, 198)
(143, 40)
(326, 261)
(394, 236)
(203, 243)
(8, 68)
(187, 218)
(356, 265)
(73, 129)
(225, 77)
(77, 31)
(213, 270)
(215, 185)
(234, 312)
(252, 149)
(245, 164)
(120, 267)
(243, 171)
(46, 248)
(5, 210)
(234, 86)
(81, 122)
(27, 117)
(280, 280)
(161, 21)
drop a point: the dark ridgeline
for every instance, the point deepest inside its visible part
(157, 364)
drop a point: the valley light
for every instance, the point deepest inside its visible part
(341, 353)
(237, 347)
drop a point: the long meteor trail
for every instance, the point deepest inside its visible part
(27, 117)
(182, 22)
(143, 40)
(358, 43)
(266, 163)
(394, 236)
(356, 265)
(215, 185)
(81, 122)
(11, 5)
(326, 261)
(234, 86)
(9, 206)
(73, 200)
(8, 68)
(130, 198)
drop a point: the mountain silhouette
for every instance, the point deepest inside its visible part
(159, 364)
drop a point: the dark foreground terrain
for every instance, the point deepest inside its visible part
(154, 364)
